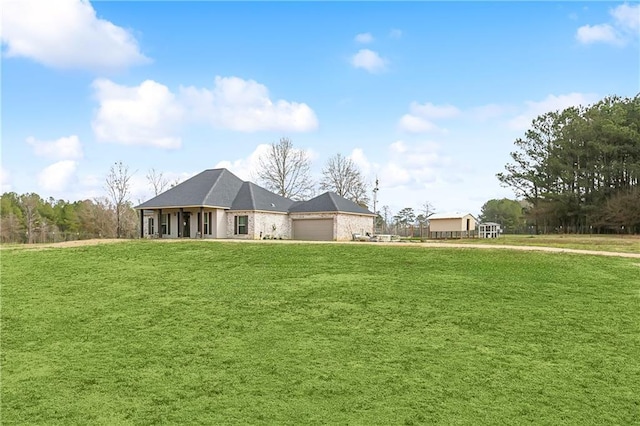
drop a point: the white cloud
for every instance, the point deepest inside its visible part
(245, 168)
(406, 165)
(487, 112)
(364, 38)
(421, 116)
(148, 114)
(412, 124)
(429, 110)
(360, 160)
(627, 17)
(623, 29)
(395, 33)
(245, 106)
(66, 34)
(587, 34)
(369, 60)
(65, 148)
(56, 177)
(550, 103)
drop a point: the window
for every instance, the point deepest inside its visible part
(165, 224)
(241, 224)
(150, 228)
(207, 219)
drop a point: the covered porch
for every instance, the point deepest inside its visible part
(183, 222)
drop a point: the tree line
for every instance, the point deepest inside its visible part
(578, 169)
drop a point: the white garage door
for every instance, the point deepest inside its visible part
(313, 229)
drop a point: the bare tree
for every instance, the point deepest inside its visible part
(30, 213)
(342, 176)
(157, 181)
(117, 184)
(285, 170)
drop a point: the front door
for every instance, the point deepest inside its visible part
(186, 222)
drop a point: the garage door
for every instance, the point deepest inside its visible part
(313, 229)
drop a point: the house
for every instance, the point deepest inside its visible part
(489, 230)
(452, 225)
(218, 204)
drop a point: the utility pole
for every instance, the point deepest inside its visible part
(375, 202)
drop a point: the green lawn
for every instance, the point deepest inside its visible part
(147, 332)
(619, 243)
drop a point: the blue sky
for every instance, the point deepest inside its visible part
(427, 96)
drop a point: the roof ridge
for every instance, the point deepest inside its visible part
(214, 184)
(333, 201)
(251, 195)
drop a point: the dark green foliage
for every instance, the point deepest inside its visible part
(149, 332)
(508, 213)
(571, 163)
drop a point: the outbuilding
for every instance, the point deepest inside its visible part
(452, 225)
(489, 230)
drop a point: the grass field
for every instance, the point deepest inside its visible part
(216, 333)
(619, 243)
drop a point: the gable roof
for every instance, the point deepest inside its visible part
(328, 202)
(254, 197)
(456, 215)
(213, 187)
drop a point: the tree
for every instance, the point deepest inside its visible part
(30, 204)
(157, 181)
(286, 171)
(570, 163)
(118, 186)
(508, 213)
(342, 176)
(405, 217)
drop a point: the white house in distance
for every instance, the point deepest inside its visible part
(452, 225)
(489, 230)
(218, 204)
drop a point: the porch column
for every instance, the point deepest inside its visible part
(180, 222)
(141, 223)
(202, 222)
(160, 223)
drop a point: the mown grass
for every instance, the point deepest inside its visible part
(219, 333)
(619, 243)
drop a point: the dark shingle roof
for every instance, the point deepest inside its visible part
(328, 202)
(215, 187)
(254, 197)
(221, 188)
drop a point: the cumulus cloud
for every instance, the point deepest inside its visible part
(245, 106)
(66, 34)
(406, 165)
(551, 103)
(623, 28)
(364, 38)
(148, 114)
(369, 60)
(65, 148)
(420, 118)
(56, 177)
(245, 168)
(598, 33)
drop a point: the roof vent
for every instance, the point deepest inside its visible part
(273, 205)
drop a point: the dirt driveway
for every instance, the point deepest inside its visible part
(81, 243)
